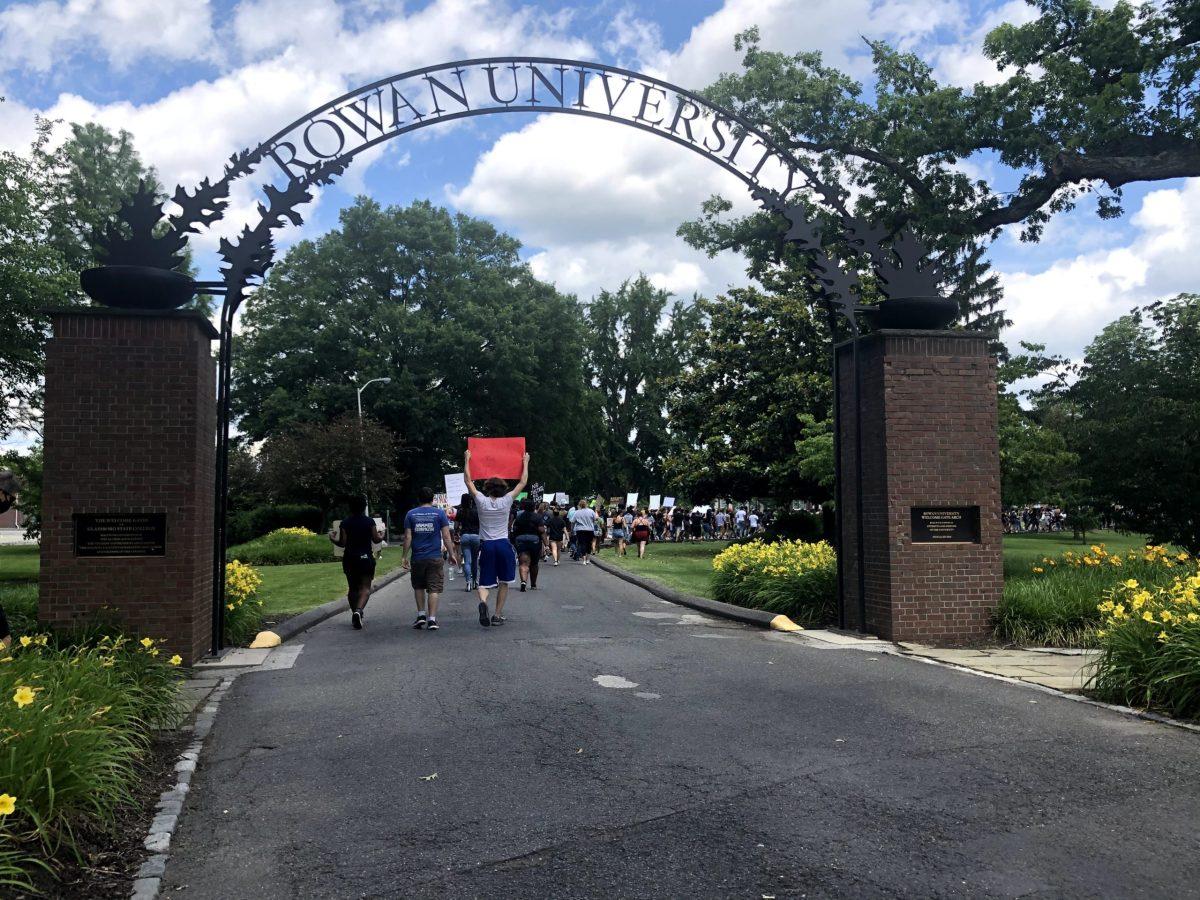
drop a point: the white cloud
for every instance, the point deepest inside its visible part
(38, 34)
(605, 201)
(1065, 305)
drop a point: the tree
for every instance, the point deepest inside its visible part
(1096, 98)
(1036, 465)
(635, 344)
(27, 468)
(745, 413)
(443, 305)
(1135, 407)
(34, 275)
(321, 463)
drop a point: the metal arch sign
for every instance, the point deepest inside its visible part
(367, 116)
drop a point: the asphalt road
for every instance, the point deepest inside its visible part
(509, 762)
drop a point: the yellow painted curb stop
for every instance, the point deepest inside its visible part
(783, 623)
(271, 639)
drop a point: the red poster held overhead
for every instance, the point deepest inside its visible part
(496, 456)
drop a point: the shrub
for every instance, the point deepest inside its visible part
(794, 578)
(1054, 602)
(283, 547)
(795, 525)
(252, 523)
(1150, 646)
(75, 723)
(243, 609)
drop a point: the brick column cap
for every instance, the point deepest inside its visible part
(112, 312)
(883, 334)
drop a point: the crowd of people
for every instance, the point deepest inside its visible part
(1023, 519)
(498, 540)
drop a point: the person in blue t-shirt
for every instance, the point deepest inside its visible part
(426, 532)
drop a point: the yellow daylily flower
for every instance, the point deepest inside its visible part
(8, 804)
(176, 659)
(23, 696)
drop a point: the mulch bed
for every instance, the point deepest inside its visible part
(109, 860)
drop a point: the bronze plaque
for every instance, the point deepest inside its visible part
(945, 524)
(120, 534)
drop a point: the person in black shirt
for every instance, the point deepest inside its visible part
(556, 527)
(466, 526)
(356, 534)
(529, 534)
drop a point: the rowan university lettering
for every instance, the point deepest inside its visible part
(402, 103)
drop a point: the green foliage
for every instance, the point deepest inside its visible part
(283, 548)
(27, 467)
(34, 275)
(443, 305)
(745, 414)
(1135, 407)
(71, 757)
(631, 356)
(793, 578)
(1036, 465)
(252, 523)
(1150, 646)
(1052, 601)
(323, 461)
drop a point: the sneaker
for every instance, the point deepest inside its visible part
(483, 615)
(497, 620)
(556, 562)
(356, 618)
(432, 626)
(419, 621)
(522, 587)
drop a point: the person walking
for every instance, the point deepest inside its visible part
(356, 534)
(529, 535)
(497, 561)
(641, 533)
(584, 530)
(466, 526)
(556, 527)
(426, 532)
(619, 534)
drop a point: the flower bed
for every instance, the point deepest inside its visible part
(1150, 646)
(1054, 602)
(795, 578)
(284, 547)
(76, 724)
(243, 608)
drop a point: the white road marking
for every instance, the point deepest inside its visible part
(614, 681)
(647, 695)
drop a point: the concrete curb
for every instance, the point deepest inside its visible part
(757, 617)
(148, 880)
(318, 614)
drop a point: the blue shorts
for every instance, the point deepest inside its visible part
(497, 563)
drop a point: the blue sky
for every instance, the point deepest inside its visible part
(593, 203)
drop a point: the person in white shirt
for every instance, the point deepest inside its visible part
(585, 530)
(497, 564)
(753, 522)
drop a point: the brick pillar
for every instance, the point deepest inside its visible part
(930, 445)
(130, 425)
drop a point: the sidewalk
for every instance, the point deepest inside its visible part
(1062, 669)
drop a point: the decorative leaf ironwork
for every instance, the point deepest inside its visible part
(900, 268)
(208, 203)
(251, 255)
(130, 240)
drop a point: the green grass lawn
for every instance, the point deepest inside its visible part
(19, 562)
(1023, 551)
(684, 567)
(288, 590)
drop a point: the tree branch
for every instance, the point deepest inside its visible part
(915, 184)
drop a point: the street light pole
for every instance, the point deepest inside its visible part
(361, 445)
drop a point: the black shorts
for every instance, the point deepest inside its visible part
(359, 572)
(529, 543)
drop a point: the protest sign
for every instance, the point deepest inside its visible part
(631, 500)
(499, 457)
(655, 501)
(456, 486)
(561, 499)
(668, 502)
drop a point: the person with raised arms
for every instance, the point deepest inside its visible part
(497, 564)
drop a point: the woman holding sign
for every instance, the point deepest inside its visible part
(497, 566)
